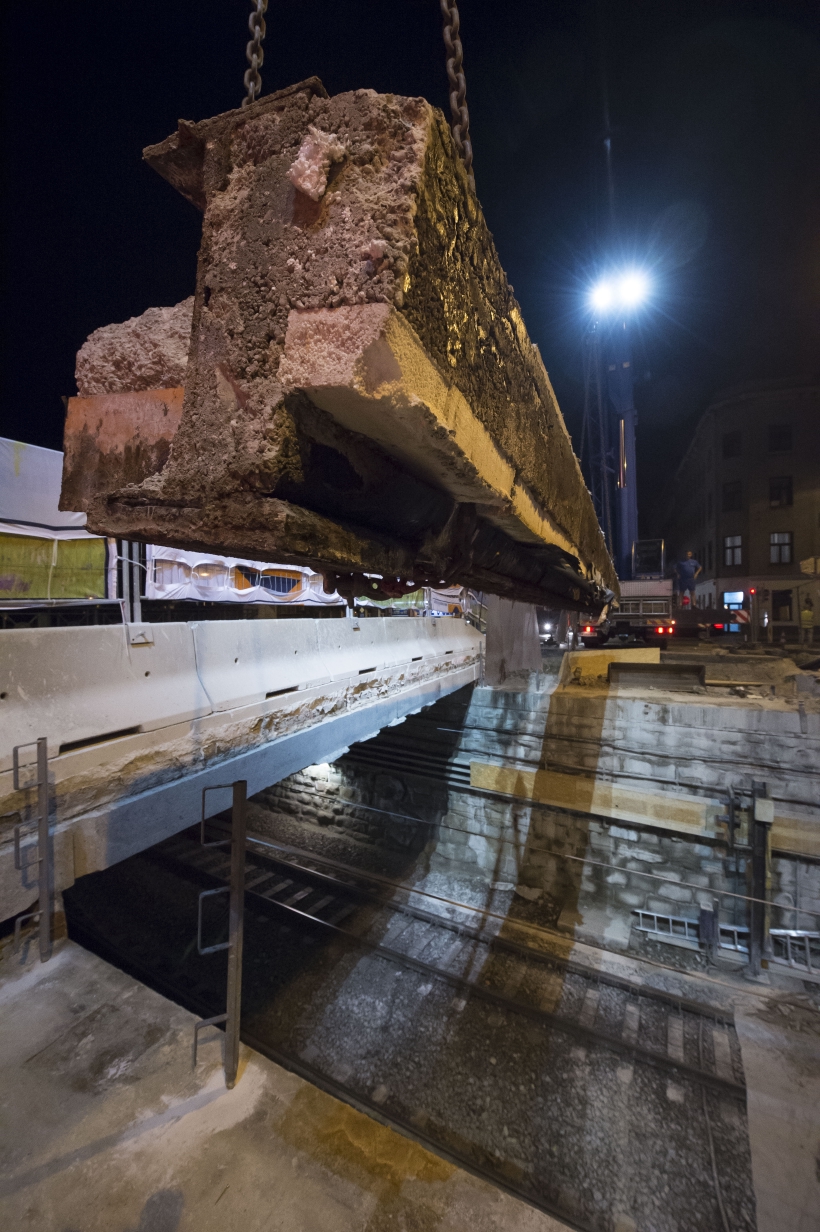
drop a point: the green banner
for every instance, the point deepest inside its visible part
(32, 568)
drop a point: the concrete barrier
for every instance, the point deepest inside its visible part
(77, 686)
(140, 718)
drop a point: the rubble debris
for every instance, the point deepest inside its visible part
(361, 395)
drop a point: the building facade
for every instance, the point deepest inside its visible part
(746, 501)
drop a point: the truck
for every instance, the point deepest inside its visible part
(644, 612)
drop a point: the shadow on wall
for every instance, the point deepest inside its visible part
(397, 805)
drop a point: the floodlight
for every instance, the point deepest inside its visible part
(632, 289)
(603, 296)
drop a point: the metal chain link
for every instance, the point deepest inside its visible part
(253, 52)
(458, 88)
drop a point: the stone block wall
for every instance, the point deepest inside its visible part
(400, 805)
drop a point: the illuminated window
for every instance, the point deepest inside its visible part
(210, 575)
(279, 583)
(243, 577)
(780, 547)
(732, 550)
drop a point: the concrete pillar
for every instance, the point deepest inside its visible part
(513, 647)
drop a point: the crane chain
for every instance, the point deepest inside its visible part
(458, 87)
(253, 52)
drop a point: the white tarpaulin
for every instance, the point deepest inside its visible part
(30, 480)
(172, 574)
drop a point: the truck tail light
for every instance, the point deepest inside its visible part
(659, 629)
(670, 630)
(587, 628)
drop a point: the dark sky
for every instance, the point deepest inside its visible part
(716, 115)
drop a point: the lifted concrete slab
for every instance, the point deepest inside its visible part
(107, 1128)
(361, 393)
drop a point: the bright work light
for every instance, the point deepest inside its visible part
(603, 296)
(632, 289)
(622, 292)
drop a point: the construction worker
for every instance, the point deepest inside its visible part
(807, 621)
(687, 571)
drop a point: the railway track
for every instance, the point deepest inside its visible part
(648, 1026)
(335, 935)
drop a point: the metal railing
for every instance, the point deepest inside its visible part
(796, 948)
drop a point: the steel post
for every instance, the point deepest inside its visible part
(235, 931)
(759, 911)
(45, 872)
(45, 877)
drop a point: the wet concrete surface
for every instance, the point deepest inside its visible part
(592, 1137)
(106, 1127)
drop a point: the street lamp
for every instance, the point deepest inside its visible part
(613, 300)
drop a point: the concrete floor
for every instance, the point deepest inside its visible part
(780, 1042)
(105, 1127)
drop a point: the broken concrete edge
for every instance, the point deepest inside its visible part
(292, 535)
(149, 351)
(179, 158)
(115, 439)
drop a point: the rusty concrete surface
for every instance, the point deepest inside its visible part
(113, 439)
(361, 393)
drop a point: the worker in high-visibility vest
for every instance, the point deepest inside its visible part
(807, 621)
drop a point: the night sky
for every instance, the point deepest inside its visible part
(715, 109)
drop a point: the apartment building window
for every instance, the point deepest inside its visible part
(780, 438)
(781, 605)
(731, 444)
(732, 496)
(780, 491)
(780, 547)
(732, 550)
